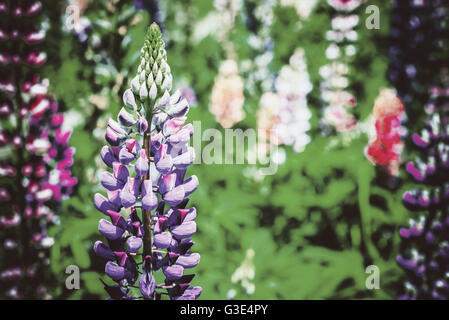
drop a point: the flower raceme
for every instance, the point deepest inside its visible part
(285, 112)
(385, 144)
(35, 156)
(227, 97)
(424, 248)
(338, 100)
(148, 155)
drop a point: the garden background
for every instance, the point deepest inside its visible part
(310, 230)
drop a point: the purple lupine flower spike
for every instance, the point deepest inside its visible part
(424, 252)
(150, 128)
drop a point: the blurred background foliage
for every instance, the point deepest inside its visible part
(313, 227)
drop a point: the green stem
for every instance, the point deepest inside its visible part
(363, 180)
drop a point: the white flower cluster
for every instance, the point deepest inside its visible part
(285, 112)
(228, 10)
(303, 7)
(337, 99)
(245, 275)
(227, 97)
(262, 43)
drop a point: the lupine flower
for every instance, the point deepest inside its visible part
(255, 69)
(244, 275)
(285, 112)
(303, 7)
(189, 94)
(92, 36)
(227, 95)
(229, 9)
(385, 145)
(35, 173)
(424, 24)
(147, 224)
(337, 99)
(424, 248)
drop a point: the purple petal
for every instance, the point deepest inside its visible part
(102, 204)
(179, 216)
(184, 230)
(110, 231)
(156, 142)
(418, 141)
(129, 99)
(173, 125)
(147, 284)
(108, 156)
(125, 156)
(165, 164)
(114, 138)
(115, 271)
(129, 192)
(417, 175)
(115, 126)
(167, 182)
(185, 159)
(103, 251)
(114, 198)
(142, 125)
(190, 185)
(175, 196)
(173, 272)
(34, 8)
(162, 240)
(191, 293)
(134, 243)
(109, 182)
(116, 219)
(121, 173)
(125, 118)
(189, 260)
(406, 263)
(141, 166)
(132, 146)
(183, 136)
(179, 109)
(183, 247)
(149, 199)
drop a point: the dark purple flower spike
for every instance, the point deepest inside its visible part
(424, 248)
(35, 175)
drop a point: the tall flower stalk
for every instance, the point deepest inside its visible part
(285, 111)
(148, 225)
(256, 68)
(227, 96)
(35, 158)
(334, 88)
(425, 244)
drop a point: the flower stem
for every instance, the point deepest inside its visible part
(146, 214)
